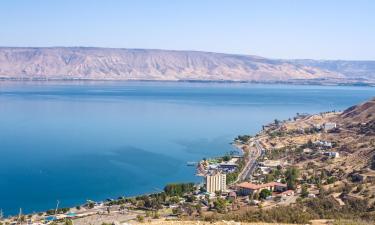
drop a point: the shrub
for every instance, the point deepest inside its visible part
(220, 204)
(304, 191)
(140, 218)
(265, 193)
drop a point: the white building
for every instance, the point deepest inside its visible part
(216, 181)
(307, 150)
(325, 144)
(329, 126)
(332, 154)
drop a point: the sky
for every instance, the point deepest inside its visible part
(316, 29)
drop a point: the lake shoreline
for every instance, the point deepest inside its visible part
(211, 115)
(301, 82)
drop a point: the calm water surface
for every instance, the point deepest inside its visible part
(73, 141)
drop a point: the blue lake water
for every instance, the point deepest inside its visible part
(73, 141)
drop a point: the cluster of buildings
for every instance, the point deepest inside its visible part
(318, 145)
(247, 188)
(207, 166)
(322, 146)
(215, 173)
(326, 126)
(216, 182)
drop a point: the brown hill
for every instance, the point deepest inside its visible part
(139, 64)
(362, 113)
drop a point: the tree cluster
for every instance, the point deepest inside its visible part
(178, 189)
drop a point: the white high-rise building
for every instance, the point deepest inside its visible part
(216, 181)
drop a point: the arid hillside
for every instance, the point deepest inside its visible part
(140, 64)
(362, 113)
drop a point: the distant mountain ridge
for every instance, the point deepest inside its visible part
(350, 69)
(149, 64)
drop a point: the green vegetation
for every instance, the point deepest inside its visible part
(191, 198)
(174, 199)
(220, 205)
(282, 133)
(140, 218)
(243, 138)
(178, 189)
(265, 193)
(119, 201)
(312, 130)
(232, 177)
(226, 158)
(90, 205)
(153, 201)
(304, 191)
(60, 210)
(331, 180)
(277, 134)
(68, 222)
(157, 200)
(291, 176)
(273, 175)
(156, 215)
(282, 152)
(176, 211)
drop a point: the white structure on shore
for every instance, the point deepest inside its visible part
(216, 181)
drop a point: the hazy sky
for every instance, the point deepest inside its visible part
(319, 29)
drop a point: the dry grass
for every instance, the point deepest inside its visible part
(352, 222)
(163, 222)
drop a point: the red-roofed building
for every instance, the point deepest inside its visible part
(246, 188)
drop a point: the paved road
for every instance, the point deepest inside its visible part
(250, 167)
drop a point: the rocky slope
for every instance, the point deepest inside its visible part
(138, 64)
(360, 118)
(361, 113)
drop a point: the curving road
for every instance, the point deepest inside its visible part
(251, 165)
